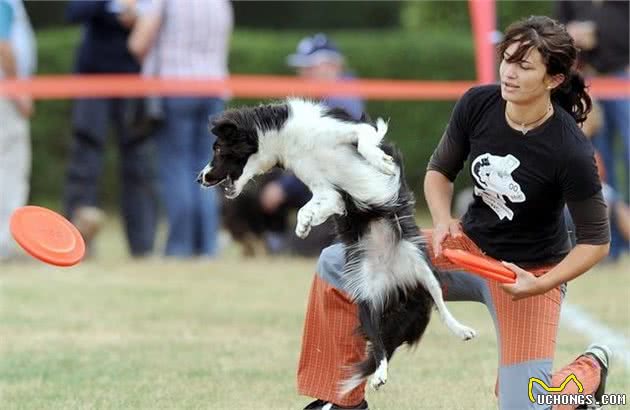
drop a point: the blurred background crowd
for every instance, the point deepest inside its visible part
(137, 158)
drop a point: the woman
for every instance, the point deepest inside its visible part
(527, 158)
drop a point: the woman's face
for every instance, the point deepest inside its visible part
(523, 81)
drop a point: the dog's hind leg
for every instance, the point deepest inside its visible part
(368, 141)
(432, 285)
(380, 375)
(371, 326)
(375, 363)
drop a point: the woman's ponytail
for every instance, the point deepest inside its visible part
(572, 96)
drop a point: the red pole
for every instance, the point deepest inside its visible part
(483, 22)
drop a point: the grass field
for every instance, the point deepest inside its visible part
(118, 334)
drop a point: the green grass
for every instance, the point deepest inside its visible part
(119, 334)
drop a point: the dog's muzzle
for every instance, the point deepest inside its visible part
(200, 178)
(226, 184)
(206, 179)
(203, 177)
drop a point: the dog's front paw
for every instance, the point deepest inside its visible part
(379, 378)
(304, 222)
(231, 192)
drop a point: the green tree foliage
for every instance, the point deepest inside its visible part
(337, 14)
(417, 15)
(317, 15)
(277, 15)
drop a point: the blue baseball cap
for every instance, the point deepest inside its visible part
(315, 50)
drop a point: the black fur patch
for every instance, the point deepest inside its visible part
(266, 117)
(405, 316)
(343, 115)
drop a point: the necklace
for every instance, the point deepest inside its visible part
(525, 127)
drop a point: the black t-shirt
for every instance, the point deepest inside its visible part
(521, 182)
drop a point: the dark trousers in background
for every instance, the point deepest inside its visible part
(613, 141)
(185, 147)
(92, 121)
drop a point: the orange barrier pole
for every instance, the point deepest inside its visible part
(483, 21)
(257, 86)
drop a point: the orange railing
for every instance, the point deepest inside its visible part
(258, 86)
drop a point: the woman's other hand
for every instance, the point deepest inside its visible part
(443, 230)
(526, 284)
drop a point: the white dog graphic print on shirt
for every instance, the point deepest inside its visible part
(493, 175)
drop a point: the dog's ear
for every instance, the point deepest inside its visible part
(223, 128)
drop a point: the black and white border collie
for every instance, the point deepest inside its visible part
(357, 178)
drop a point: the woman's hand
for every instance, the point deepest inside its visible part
(441, 231)
(526, 284)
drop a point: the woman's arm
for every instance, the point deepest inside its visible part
(143, 35)
(438, 191)
(579, 260)
(593, 237)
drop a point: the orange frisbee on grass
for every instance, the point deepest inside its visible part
(482, 266)
(47, 236)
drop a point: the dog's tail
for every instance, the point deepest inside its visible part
(381, 129)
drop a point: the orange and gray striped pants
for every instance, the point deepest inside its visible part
(526, 332)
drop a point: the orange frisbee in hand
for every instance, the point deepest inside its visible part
(482, 266)
(47, 236)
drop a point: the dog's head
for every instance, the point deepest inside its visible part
(234, 145)
(238, 135)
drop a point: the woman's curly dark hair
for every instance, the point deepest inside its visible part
(559, 54)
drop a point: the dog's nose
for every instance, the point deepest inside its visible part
(200, 178)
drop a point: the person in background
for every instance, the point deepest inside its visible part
(186, 42)
(103, 50)
(317, 58)
(17, 60)
(601, 31)
(618, 210)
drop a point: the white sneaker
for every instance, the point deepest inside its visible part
(603, 354)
